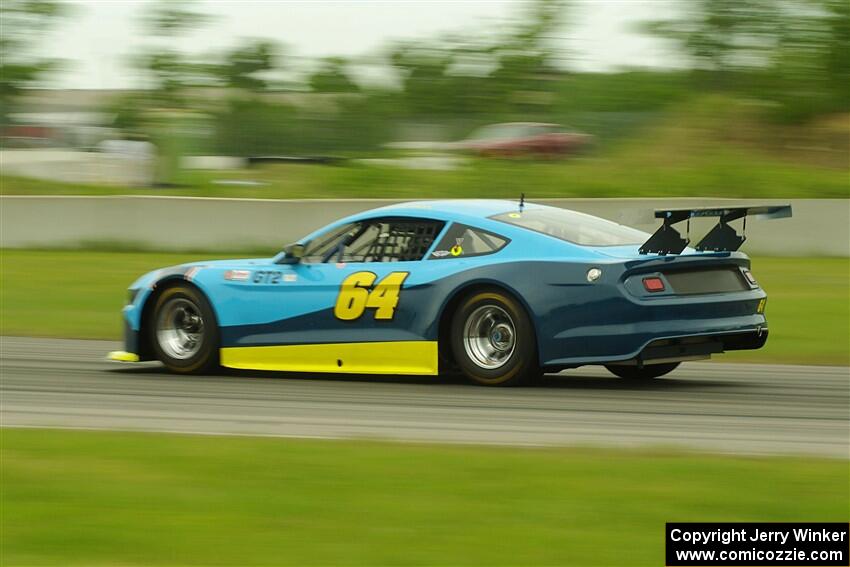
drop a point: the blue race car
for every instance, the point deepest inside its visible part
(500, 290)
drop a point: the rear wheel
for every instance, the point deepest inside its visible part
(642, 372)
(493, 340)
(183, 331)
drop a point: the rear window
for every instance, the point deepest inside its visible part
(574, 227)
(465, 241)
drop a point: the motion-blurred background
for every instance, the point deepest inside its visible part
(111, 109)
(642, 98)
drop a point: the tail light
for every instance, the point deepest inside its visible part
(653, 284)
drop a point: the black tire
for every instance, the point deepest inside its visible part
(514, 352)
(203, 355)
(647, 372)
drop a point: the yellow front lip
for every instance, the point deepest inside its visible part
(122, 356)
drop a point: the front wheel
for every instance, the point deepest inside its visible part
(493, 340)
(642, 372)
(183, 331)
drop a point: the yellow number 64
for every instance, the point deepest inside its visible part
(355, 295)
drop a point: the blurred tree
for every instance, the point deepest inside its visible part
(162, 109)
(169, 19)
(530, 58)
(795, 53)
(332, 77)
(244, 66)
(22, 23)
(166, 71)
(249, 126)
(532, 45)
(422, 71)
(721, 36)
(511, 73)
(838, 50)
(812, 63)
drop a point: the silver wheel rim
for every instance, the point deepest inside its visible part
(180, 328)
(489, 337)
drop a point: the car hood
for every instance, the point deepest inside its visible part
(237, 263)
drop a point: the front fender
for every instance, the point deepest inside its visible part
(147, 286)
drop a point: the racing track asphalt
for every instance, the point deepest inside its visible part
(730, 408)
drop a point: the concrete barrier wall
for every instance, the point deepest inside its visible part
(819, 226)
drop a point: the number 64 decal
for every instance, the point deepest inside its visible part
(357, 293)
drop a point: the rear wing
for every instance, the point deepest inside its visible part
(721, 238)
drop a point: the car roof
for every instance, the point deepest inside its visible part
(472, 212)
(454, 208)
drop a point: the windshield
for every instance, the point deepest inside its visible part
(574, 227)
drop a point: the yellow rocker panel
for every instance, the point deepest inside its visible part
(395, 357)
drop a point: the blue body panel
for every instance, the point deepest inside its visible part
(576, 321)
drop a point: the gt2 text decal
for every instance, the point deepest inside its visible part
(262, 276)
(357, 293)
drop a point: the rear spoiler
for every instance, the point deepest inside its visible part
(721, 238)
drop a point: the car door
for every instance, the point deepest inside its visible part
(352, 285)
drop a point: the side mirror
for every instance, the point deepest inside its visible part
(294, 253)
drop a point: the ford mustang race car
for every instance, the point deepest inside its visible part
(499, 290)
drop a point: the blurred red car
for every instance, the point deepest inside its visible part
(524, 139)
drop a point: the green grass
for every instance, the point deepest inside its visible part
(97, 498)
(79, 294)
(72, 293)
(808, 311)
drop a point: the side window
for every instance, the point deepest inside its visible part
(325, 245)
(462, 241)
(375, 240)
(393, 240)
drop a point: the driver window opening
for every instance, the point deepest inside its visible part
(375, 240)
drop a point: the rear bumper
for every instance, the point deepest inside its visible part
(623, 329)
(678, 347)
(697, 347)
